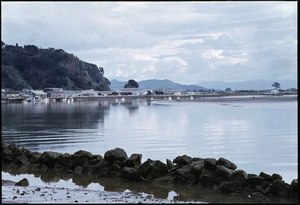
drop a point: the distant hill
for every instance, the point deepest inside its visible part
(157, 84)
(35, 68)
(248, 85)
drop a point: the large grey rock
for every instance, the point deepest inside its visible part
(159, 169)
(197, 170)
(235, 182)
(22, 159)
(83, 154)
(170, 164)
(6, 152)
(207, 177)
(222, 171)
(226, 163)
(294, 187)
(279, 188)
(133, 160)
(131, 173)
(185, 174)
(197, 161)
(276, 176)
(64, 159)
(266, 176)
(182, 160)
(255, 180)
(146, 168)
(210, 163)
(49, 158)
(23, 182)
(77, 161)
(115, 154)
(36, 158)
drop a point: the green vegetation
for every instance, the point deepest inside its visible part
(131, 84)
(35, 68)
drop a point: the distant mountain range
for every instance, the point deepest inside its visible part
(156, 84)
(248, 85)
(204, 85)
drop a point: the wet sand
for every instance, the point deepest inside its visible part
(52, 194)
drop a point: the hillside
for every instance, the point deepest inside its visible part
(157, 84)
(36, 68)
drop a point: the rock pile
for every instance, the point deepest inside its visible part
(220, 175)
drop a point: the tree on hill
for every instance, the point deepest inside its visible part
(276, 85)
(131, 84)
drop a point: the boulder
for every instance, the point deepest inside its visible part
(185, 174)
(170, 164)
(226, 163)
(210, 163)
(103, 163)
(22, 159)
(197, 170)
(145, 168)
(197, 161)
(276, 176)
(279, 188)
(266, 176)
(131, 173)
(207, 177)
(49, 158)
(294, 187)
(6, 152)
(26, 152)
(222, 171)
(115, 154)
(83, 154)
(95, 160)
(255, 180)
(159, 169)
(76, 161)
(133, 160)
(23, 182)
(235, 182)
(64, 159)
(36, 158)
(6, 155)
(182, 160)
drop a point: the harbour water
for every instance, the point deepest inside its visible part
(256, 136)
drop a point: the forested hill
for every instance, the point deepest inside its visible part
(35, 68)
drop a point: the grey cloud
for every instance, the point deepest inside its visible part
(195, 40)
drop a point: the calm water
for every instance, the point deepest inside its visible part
(256, 136)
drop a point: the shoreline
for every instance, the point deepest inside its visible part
(220, 178)
(194, 98)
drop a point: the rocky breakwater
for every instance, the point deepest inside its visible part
(220, 175)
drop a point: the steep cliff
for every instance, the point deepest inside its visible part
(35, 68)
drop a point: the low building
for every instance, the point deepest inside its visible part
(37, 94)
(57, 95)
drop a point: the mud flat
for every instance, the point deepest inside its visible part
(32, 194)
(193, 178)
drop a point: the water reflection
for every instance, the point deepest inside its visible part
(173, 192)
(256, 136)
(35, 125)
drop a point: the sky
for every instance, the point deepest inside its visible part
(186, 42)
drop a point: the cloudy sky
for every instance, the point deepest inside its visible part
(186, 42)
